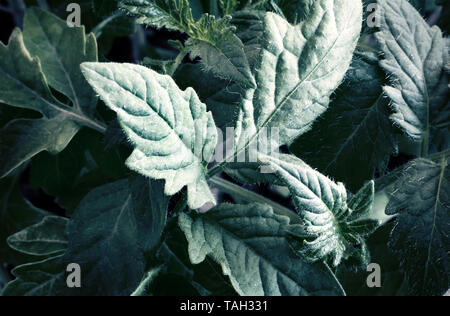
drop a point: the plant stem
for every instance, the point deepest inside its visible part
(86, 121)
(336, 279)
(177, 62)
(250, 196)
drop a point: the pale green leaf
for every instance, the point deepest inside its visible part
(143, 288)
(362, 201)
(249, 242)
(173, 135)
(420, 237)
(298, 69)
(415, 56)
(330, 229)
(42, 239)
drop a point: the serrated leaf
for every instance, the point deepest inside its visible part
(366, 137)
(174, 15)
(249, 241)
(299, 67)
(225, 58)
(42, 239)
(420, 237)
(362, 201)
(173, 135)
(23, 85)
(212, 39)
(43, 278)
(329, 227)
(111, 233)
(415, 56)
(61, 50)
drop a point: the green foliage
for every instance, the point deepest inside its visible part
(26, 75)
(43, 239)
(419, 94)
(331, 227)
(250, 244)
(125, 217)
(296, 100)
(422, 203)
(293, 81)
(295, 10)
(210, 38)
(179, 136)
(360, 113)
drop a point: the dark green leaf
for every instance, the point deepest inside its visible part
(420, 237)
(111, 233)
(42, 239)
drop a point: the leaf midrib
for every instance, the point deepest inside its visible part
(283, 102)
(214, 222)
(435, 211)
(355, 131)
(65, 110)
